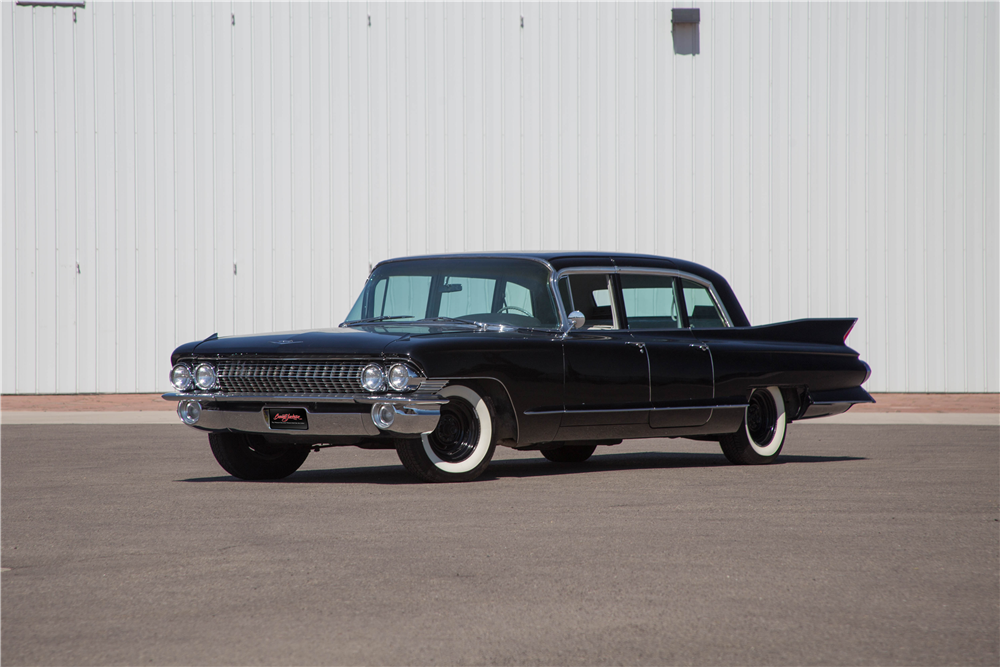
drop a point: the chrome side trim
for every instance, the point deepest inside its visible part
(741, 406)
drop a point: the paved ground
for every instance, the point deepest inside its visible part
(867, 545)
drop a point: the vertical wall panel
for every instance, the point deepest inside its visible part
(301, 228)
(317, 184)
(531, 134)
(143, 247)
(548, 123)
(717, 37)
(86, 200)
(453, 75)
(46, 211)
(990, 48)
(64, 304)
(171, 170)
(223, 132)
(8, 232)
(874, 296)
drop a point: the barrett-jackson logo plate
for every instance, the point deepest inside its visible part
(293, 419)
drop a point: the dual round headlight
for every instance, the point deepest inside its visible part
(399, 378)
(181, 377)
(203, 376)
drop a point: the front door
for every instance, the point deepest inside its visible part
(607, 374)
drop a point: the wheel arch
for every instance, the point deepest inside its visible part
(496, 394)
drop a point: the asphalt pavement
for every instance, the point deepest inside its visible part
(866, 544)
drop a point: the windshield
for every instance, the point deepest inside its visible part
(475, 289)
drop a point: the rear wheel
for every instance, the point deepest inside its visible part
(762, 433)
(251, 457)
(462, 445)
(569, 453)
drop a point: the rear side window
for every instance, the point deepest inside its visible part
(650, 301)
(701, 309)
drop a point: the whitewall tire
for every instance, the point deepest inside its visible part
(762, 433)
(461, 446)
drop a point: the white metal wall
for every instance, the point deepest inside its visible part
(171, 170)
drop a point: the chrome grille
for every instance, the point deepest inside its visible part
(290, 377)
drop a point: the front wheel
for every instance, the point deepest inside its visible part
(462, 444)
(762, 433)
(252, 457)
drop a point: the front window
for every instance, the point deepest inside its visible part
(590, 295)
(479, 289)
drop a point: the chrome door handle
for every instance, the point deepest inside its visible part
(701, 346)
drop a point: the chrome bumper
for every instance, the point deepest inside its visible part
(412, 414)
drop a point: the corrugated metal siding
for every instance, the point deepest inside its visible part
(170, 170)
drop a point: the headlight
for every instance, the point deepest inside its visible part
(373, 378)
(204, 376)
(181, 378)
(402, 377)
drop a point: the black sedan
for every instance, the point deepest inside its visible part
(443, 358)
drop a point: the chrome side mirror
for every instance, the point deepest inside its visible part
(577, 318)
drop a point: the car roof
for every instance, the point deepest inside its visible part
(583, 258)
(574, 258)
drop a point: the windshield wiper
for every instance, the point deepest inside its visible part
(449, 319)
(372, 320)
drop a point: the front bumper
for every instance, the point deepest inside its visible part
(413, 414)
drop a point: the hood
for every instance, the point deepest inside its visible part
(348, 342)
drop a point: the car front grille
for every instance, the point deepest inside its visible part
(290, 377)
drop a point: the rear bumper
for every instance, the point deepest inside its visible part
(219, 412)
(828, 403)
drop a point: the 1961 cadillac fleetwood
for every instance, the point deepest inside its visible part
(443, 358)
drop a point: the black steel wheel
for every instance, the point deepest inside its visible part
(457, 433)
(460, 447)
(249, 456)
(762, 434)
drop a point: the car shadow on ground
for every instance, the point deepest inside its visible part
(523, 468)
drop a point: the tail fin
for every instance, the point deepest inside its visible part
(831, 331)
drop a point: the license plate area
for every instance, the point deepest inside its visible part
(287, 419)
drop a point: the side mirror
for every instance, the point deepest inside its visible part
(577, 318)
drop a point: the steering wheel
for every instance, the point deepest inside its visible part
(506, 309)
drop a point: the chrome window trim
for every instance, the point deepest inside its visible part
(675, 273)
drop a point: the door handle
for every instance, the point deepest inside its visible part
(701, 346)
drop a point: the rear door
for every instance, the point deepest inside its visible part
(680, 366)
